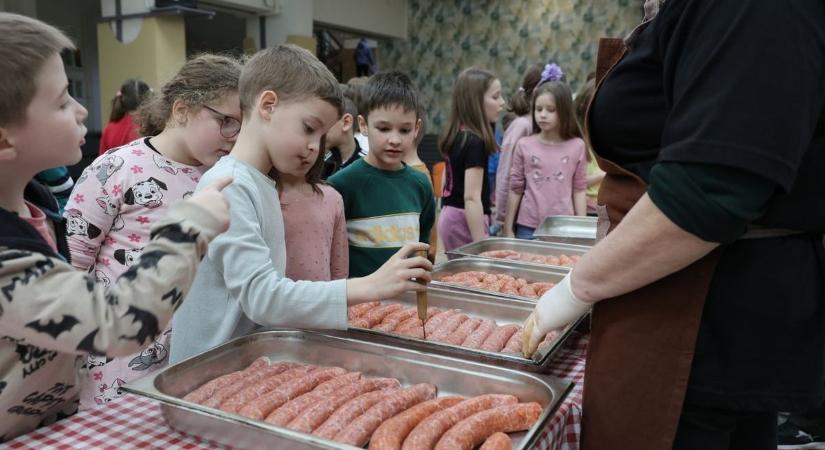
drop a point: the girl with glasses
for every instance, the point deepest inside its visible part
(190, 123)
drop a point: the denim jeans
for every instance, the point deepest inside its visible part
(523, 232)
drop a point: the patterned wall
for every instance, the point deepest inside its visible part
(505, 36)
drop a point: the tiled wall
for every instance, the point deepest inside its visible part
(446, 36)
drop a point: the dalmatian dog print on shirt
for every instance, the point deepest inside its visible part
(146, 193)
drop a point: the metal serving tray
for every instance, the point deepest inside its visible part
(533, 273)
(519, 245)
(452, 376)
(480, 306)
(568, 229)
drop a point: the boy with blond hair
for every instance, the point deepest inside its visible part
(50, 313)
(289, 101)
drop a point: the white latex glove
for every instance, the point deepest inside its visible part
(555, 309)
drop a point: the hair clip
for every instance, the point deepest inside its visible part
(552, 72)
(521, 89)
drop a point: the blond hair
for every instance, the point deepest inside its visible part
(25, 45)
(292, 73)
(203, 79)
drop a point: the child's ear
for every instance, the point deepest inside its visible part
(362, 125)
(418, 124)
(267, 102)
(346, 122)
(179, 112)
(7, 151)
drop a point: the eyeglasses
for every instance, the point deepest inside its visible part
(230, 126)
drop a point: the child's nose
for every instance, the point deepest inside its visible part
(82, 112)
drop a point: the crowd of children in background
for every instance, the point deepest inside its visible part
(329, 200)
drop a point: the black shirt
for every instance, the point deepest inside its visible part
(738, 85)
(333, 161)
(467, 151)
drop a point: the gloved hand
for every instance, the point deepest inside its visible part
(555, 309)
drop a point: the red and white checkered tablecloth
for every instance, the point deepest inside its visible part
(136, 422)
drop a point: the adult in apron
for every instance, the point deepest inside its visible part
(712, 135)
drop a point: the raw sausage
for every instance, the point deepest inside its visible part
(498, 338)
(462, 332)
(498, 441)
(206, 390)
(473, 430)
(376, 315)
(237, 400)
(447, 327)
(477, 337)
(317, 414)
(249, 379)
(262, 406)
(391, 434)
(425, 435)
(292, 408)
(514, 343)
(392, 320)
(358, 432)
(349, 411)
(359, 309)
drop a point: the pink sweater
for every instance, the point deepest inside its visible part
(520, 127)
(547, 175)
(315, 232)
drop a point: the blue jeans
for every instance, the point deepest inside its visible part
(523, 232)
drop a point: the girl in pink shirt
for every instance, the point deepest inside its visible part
(548, 174)
(315, 230)
(124, 191)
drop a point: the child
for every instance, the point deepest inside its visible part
(342, 149)
(59, 182)
(125, 191)
(548, 174)
(466, 144)
(516, 128)
(52, 313)
(121, 129)
(355, 92)
(595, 175)
(289, 101)
(387, 204)
(315, 230)
(412, 160)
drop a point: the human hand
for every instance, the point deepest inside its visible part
(555, 309)
(212, 200)
(394, 277)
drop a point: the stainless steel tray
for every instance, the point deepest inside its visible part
(480, 306)
(452, 376)
(568, 229)
(519, 245)
(531, 272)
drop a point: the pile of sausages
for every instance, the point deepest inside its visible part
(449, 326)
(560, 260)
(501, 283)
(333, 403)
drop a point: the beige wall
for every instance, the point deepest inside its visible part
(382, 17)
(155, 56)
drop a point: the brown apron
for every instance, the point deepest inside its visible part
(641, 343)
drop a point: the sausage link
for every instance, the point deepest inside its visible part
(447, 327)
(391, 434)
(358, 432)
(392, 320)
(498, 338)
(514, 343)
(473, 430)
(206, 390)
(349, 411)
(262, 406)
(425, 435)
(462, 332)
(317, 414)
(358, 310)
(477, 337)
(249, 379)
(237, 400)
(497, 441)
(284, 414)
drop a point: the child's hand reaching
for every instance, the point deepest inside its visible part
(393, 278)
(211, 200)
